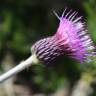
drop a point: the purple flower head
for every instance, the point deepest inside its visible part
(70, 39)
(73, 34)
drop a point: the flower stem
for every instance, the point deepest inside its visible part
(28, 62)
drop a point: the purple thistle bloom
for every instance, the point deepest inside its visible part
(70, 39)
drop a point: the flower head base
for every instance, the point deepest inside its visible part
(47, 49)
(71, 39)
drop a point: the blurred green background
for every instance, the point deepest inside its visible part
(22, 23)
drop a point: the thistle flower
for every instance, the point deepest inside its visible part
(70, 39)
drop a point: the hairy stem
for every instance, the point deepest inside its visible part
(28, 62)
